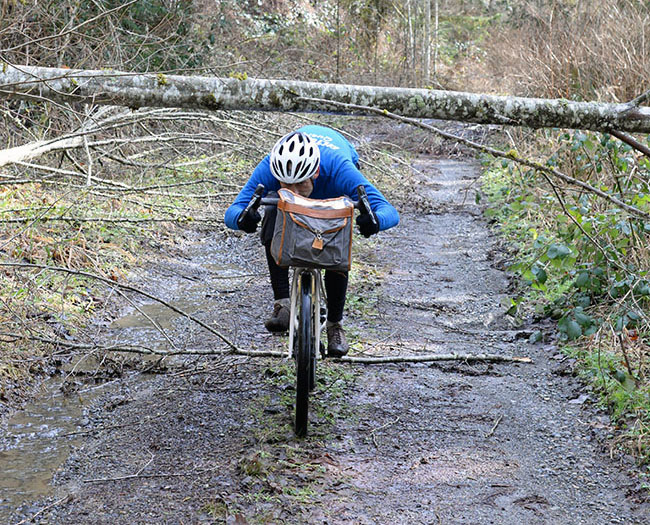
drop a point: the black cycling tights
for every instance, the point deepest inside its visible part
(336, 286)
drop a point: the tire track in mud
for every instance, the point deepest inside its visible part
(454, 443)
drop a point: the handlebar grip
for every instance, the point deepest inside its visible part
(253, 204)
(365, 203)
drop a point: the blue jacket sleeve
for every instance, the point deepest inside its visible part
(351, 177)
(261, 175)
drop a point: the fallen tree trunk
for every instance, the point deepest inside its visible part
(150, 90)
(38, 148)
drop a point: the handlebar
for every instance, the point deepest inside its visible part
(363, 205)
(253, 204)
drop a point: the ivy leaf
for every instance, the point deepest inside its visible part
(583, 300)
(539, 274)
(557, 251)
(583, 279)
(642, 288)
(573, 330)
(583, 319)
(570, 328)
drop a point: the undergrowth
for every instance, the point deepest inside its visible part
(585, 262)
(566, 49)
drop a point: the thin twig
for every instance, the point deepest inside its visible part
(64, 499)
(110, 220)
(426, 358)
(496, 424)
(385, 425)
(559, 198)
(71, 30)
(101, 429)
(161, 475)
(33, 220)
(140, 476)
(80, 346)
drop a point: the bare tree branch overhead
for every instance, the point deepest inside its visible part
(158, 90)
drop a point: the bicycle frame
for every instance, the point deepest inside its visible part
(320, 301)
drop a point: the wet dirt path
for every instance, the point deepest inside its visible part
(209, 441)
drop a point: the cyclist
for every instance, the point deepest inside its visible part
(319, 163)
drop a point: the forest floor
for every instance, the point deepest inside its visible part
(209, 439)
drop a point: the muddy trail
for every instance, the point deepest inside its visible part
(209, 440)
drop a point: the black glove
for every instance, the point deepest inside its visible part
(366, 225)
(248, 221)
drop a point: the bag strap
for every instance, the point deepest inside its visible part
(316, 213)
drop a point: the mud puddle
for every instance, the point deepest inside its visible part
(191, 285)
(38, 440)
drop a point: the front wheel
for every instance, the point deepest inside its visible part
(304, 364)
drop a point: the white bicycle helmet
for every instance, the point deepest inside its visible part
(294, 158)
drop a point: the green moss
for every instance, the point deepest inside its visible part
(239, 75)
(210, 102)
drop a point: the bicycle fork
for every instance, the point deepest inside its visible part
(319, 314)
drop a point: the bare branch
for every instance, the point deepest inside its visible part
(640, 99)
(114, 220)
(429, 358)
(422, 358)
(71, 30)
(639, 146)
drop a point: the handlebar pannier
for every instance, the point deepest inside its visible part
(313, 233)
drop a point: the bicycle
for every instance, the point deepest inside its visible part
(307, 317)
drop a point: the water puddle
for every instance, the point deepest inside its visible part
(164, 317)
(193, 290)
(37, 441)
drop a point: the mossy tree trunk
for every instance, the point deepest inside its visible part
(150, 90)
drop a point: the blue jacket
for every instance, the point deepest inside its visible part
(338, 176)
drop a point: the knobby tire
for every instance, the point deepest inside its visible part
(304, 366)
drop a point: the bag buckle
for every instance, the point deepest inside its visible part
(318, 241)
